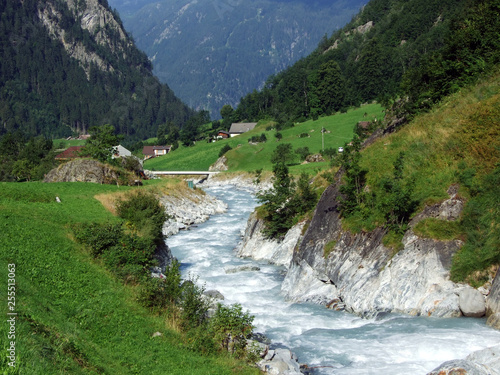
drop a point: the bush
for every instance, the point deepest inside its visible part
(193, 306)
(144, 214)
(98, 237)
(131, 163)
(159, 294)
(131, 258)
(303, 152)
(231, 327)
(224, 149)
(258, 138)
(329, 153)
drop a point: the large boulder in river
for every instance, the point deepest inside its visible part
(88, 170)
(481, 362)
(472, 303)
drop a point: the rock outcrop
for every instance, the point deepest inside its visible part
(482, 362)
(88, 170)
(187, 208)
(254, 245)
(280, 362)
(365, 276)
(472, 303)
(98, 21)
(493, 300)
(219, 165)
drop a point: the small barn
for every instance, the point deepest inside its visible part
(238, 128)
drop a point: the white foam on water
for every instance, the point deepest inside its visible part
(339, 343)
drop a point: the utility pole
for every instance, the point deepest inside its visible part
(323, 138)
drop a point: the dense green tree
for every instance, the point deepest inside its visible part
(227, 114)
(278, 215)
(101, 142)
(283, 153)
(330, 89)
(303, 152)
(353, 181)
(397, 202)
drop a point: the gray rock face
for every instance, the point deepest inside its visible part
(255, 246)
(460, 367)
(83, 170)
(187, 208)
(100, 23)
(481, 362)
(493, 300)
(164, 257)
(365, 275)
(494, 321)
(219, 165)
(472, 303)
(280, 362)
(489, 358)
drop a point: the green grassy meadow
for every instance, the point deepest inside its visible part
(74, 317)
(247, 157)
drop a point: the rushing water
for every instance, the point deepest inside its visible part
(335, 342)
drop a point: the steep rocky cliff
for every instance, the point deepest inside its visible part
(98, 20)
(361, 275)
(370, 278)
(68, 65)
(254, 245)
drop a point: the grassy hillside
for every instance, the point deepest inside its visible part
(249, 157)
(458, 142)
(74, 316)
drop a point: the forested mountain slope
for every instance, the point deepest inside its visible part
(214, 52)
(413, 49)
(70, 65)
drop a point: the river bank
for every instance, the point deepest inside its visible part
(337, 342)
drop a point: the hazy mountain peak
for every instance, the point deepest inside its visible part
(212, 53)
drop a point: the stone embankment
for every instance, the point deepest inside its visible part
(189, 207)
(254, 245)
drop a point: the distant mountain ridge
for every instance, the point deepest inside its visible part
(70, 65)
(212, 53)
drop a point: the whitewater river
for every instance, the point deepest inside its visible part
(339, 343)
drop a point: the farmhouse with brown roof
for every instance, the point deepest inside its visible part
(152, 151)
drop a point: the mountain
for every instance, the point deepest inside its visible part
(70, 65)
(412, 49)
(214, 52)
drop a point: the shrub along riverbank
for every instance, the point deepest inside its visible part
(75, 315)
